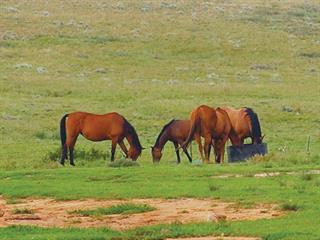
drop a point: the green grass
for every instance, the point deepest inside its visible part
(27, 232)
(289, 191)
(123, 163)
(152, 62)
(289, 207)
(22, 211)
(125, 209)
(158, 181)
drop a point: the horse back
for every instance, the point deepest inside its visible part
(96, 127)
(239, 120)
(208, 117)
(179, 130)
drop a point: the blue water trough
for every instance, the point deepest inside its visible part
(236, 154)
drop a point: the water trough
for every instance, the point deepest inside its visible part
(236, 154)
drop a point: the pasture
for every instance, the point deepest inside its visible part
(153, 61)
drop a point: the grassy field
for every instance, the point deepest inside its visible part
(296, 193)
(124, 208)
(153, 61)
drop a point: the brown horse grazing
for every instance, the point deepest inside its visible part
(177, 132)
(110, 126)
(245, 123)
(215, 126)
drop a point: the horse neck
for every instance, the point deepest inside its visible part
(162, 140)
(130, 139)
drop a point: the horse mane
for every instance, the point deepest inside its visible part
(163, 129)
(256, 129)
(133, 133)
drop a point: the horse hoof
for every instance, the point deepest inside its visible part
(72, 164)
(62, 163)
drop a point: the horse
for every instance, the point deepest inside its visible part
(111, 126)
(176, 131)
(215, 126)
(245, 123)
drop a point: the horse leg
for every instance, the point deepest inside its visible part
(113, 148)
(64, 153)
(235, 139)
(219, 149)
(71, 148)
(123, 147)
(188, 156)
(222, 147)
(177, 151)
(216, 150)
(185, 150)
(207, 145)
(71, 141)
(209, 150)
(198, 140)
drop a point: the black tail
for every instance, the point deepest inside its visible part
(256, 129)
(63, 134)
(192, 131)
(133, 133)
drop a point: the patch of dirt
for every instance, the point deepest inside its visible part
(269, 174)
(215, 238)
(48, 212)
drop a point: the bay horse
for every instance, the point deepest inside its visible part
(176, 131)
(215, 126)
(111, 126)
(245, 123)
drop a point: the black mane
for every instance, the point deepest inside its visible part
(163, 129)
(256, 129)
(133, 133)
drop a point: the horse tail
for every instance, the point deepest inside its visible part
(195, 120)
(131, 131)
(63, 134)
(255, 124)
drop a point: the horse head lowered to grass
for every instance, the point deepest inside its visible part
(94, 127)
(176, 131)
